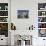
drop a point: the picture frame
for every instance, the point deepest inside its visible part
(22, 14)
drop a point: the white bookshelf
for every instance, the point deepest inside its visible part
(4, 17)
(42, 18)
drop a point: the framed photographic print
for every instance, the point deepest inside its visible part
(22, 14)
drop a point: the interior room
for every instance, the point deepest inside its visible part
(22, 22)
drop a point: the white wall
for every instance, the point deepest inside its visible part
(3, 1)
(32, 6)
(23, 24)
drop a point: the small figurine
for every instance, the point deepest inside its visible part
(31, 27)
(13, 27)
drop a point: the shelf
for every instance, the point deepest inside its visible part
(3, 16)
(41, 10)
(41, 22)
(3, 10)
(41, 28)
(42, 16)
(3, 22)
